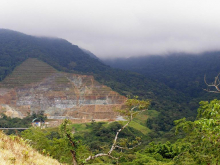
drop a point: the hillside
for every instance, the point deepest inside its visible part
(182, 72)
(17, 47)
(15, 150)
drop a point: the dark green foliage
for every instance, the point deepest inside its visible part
(39, 116)
(167, 150)
(55, 143)
(68, 137)
(183, 73)
(101, 135)
(16, 47)
(41, 140)
(199, 143)
(52, 142)
(8, 122)
(202, 135)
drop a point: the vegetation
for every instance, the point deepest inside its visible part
(15, 150)
(197, 142)
(8, 122)
(200, 144)
(131, 109)
(69, 137)
(71, 148)
(202, 135)
(184, 74)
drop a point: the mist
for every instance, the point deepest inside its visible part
(122, 28)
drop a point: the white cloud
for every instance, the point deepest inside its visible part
(119, 27)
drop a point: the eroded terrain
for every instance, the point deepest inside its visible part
(59, 95)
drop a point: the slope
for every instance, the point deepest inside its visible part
(15, 150)
(182, 72)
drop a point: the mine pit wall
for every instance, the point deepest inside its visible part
(82, 115)
(78, 97)
(83, 110)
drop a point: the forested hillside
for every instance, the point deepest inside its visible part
(16, 47)
(180, 72)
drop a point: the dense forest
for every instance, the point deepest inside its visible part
(180, 72)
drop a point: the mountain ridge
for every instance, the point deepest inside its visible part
(178, 71)
(15, 48)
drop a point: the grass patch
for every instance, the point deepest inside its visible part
(138, 123)
(152, 113)
(139, 127)
(80, 127)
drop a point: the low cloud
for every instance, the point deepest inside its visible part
(120, 28)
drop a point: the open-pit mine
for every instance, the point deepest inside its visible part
(35, 87)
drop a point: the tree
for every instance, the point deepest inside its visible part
(68, 135)
(214, 85)
(54, 142)
(202, 135)
(131, 109)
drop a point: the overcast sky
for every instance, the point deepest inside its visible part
(116, 28)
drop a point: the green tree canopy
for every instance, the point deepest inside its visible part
(203, 134)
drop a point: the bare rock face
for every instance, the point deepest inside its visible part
(60, 95)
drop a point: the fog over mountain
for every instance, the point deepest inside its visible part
(120, 28)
